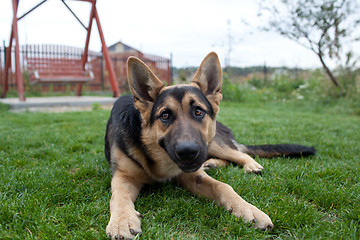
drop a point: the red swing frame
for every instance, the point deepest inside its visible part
(14, 37)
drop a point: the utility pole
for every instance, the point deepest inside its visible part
(265, 72)
(228, 48)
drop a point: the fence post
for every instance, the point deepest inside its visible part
(171, 69)
(7, 66)
(102, 73)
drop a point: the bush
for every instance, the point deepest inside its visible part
(309, 88)
(232, 91)
(257, 82)
(284, 84)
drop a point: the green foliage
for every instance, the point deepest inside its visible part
(283, 84)
(310, 89)
(349, 77)
(232, 91)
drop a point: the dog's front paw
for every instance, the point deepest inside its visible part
(252, 214)
(125, 226)
(214, 163)
(253, 167)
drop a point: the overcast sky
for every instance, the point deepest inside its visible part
(187, 29)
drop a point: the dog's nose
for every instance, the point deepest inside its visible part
(187, 150)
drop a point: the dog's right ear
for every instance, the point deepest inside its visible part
(208, 78)
(143, 83)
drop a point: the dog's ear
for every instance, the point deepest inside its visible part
(209, 78)
(143, 83)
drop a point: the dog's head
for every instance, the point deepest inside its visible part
(178, 121)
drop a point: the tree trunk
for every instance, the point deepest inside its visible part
(328, 72)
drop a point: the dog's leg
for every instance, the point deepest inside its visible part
(202, 184)
(124, 220)
(214, 163)
(235, 156)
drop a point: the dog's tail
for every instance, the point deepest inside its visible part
(287, 150)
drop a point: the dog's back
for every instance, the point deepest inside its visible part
(123, 127)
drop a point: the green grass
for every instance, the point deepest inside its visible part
(55, 181)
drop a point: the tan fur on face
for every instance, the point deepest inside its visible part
(208, 126)
(166, 167)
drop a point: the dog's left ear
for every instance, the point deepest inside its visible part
(143, 83)
(209, 78)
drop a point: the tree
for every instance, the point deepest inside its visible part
(323, 26)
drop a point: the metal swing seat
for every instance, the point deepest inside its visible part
(55, 70)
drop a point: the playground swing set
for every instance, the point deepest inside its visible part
(54, 70)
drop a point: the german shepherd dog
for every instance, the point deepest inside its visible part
(170, 133)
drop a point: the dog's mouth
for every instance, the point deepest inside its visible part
(186, 160)
(190, 163)
(188, 155)
(189, 166)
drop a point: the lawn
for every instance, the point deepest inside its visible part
(55, 181)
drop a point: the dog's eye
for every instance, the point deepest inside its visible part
(165, 115)
(199, 112)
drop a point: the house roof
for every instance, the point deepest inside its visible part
(126, 47)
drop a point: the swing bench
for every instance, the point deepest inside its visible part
(57, 70)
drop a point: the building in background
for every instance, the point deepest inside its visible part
(120, 52)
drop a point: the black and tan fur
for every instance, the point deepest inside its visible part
(171, 133)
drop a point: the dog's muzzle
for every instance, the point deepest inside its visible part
(189, 156)
(187, 151)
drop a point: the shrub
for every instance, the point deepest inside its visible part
(232, 91)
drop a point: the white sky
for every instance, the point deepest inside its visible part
(187, 29)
